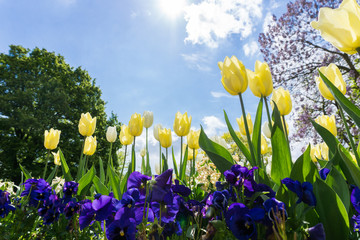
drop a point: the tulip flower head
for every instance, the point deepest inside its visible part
(327, 122)
(333, 74)
(266, 129)
(148, 119)
(234, 76)
(340, 26)
(165, 137)
(241, 124)
(260, 81)
(143, 152)
(264, 145)
(125, 137)
(193, 139)
(319, 151)
(136, 124)
(52, 138)
(282, 99)
(156, 129)
(182, 124)
(57, 158)
(87, 125)
(90, 145)
(111, 134)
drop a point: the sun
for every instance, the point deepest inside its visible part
(172, 8)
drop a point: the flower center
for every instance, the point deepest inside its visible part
(122, 233)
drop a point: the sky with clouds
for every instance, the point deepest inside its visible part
(157, 55)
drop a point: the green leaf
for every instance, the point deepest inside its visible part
(183, 169)
(52, 174)
(65, 168)
(304, 170)
(165, 163)
(349, 168)
(337, 182)
(174, 163)
(331, 210)
(85, 181)
(99, 186)
(346, 104)
(241, 146)
(26, 173)
(115, 181)
(256, 136)
(281, 159)
(327, 136)
(217, 153)
(102, 171)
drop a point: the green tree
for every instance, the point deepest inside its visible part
(39, 91)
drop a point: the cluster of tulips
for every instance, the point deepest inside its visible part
(315, 197)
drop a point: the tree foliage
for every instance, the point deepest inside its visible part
(295, 51)
(39, 91)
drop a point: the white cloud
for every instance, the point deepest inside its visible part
(267, 21)
(212, 20)
(220, 94)
(213, 126)
(251, 48)
(197, 61)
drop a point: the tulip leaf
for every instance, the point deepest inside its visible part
(52, 174)
(85, 181)
(348, 166)
(331, 210)
(281, 163)
(174, 163)
(337, 182)
(102, 171)
(99, 186)
(304, 170)
(236, 139)
(165, 163)
(26, 173)
(183, 169)
(217, 153)
(65, 168)
(115, 181)
(346, 104)
(256, 136)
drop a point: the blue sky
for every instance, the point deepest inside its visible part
(146, 55)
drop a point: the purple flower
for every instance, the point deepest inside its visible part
(170, 229)
(162, 186)
(71, 208)
(70, 188)
(304, 191)
(317, 232)
(220, 199)
(87, 215)
(273, 206)
(180, 189)
(5, 206)
(123, 226)
(323, 173)
(130, 197)
(137, 180)
(50, 210)
(37, 190)
(168, 208)
(355, 198)
(356, 222)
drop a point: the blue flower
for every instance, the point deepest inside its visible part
(37, 190)
(50, 210)
(323, 173)
(5, 204)
(162, 186)
(317, 232)
(69, 190)
(180, 189)
(355, 198)
(71, 208)
(168, 208)
(220, 199)
(273, 206)
(304, 191)
(123, 226)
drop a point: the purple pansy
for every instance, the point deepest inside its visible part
(304, 191)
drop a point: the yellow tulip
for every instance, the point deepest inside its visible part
(148, 119)
(52, 138)
(234, 76)
(282, 99)
(156, 129)
(341, 26)
(190, 152)
(125, 137)
(327, 122)
(136, 124)
(324, 151)
(241, 124)
(260, 81)
(87, 125)
(264, 146)
(182, 124)
(57, 158)
(90, 145)
(319, 151)
(193, 139)
(165, 137)
(332, 73)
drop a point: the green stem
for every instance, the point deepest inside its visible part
(285, 129)
(160, 170)
(110, 158)
(133, 158)
(46, 163)
(247, 129)
(81, 162)
(181, 160)
(147, 168)
(268, 114)
(193, 167)
(105, 238)
(350, 136)
(358, 50)
(123, 166)
(86, 163)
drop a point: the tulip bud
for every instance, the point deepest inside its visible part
(234, 76)
(260, 81)
(90, 145)
(283, 101)
(125, 137)
(136, 124)
(57, 158)
(148, 119)
(87, 125)
(182, 124)
(157, 127)
(165, 137)
(111, 134)
(266, 129)
(52, 138)
(333, 74)
(324, 151)
(143, 152)
(319, 151)
(340, 26)
(241, 124)
(264, 145)
(193, 139)
(327, 122)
